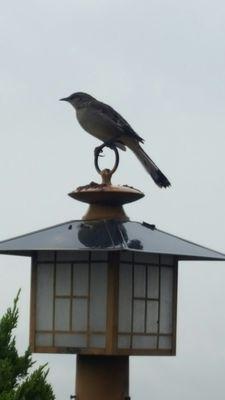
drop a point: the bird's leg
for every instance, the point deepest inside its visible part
(98, 150)
(108, 143)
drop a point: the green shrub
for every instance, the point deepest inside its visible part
(16, 380)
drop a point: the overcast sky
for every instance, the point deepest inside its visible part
(161, 64)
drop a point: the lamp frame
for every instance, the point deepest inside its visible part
(111, 347)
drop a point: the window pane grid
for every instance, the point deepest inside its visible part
(146, 294)
(71, 303)
(159, 305)
(70, 331)
(146, 307)
(146, 298)
(71, 297)
(132, 307)
(88, 308)
(54, 294)
(76, 319)
(135, 334)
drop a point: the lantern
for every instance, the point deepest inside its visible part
(104, 288)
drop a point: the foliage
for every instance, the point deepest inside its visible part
(16, 381)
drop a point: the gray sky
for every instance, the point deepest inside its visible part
(161, 64)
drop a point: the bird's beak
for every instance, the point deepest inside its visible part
(64, 99)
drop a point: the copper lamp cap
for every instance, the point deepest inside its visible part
(106, 200)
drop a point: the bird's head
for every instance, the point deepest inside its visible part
(78, 100)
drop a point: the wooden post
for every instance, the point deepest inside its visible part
(102, 377)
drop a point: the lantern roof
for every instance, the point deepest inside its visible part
(107, 235)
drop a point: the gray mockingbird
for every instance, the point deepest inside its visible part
(103, 122)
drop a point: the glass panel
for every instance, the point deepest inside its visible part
(139, 280)
(167, 260)
(97, 341)
(63, 279)
(166, 301)
(79, 315)
(62, 314)
(139, 316)
(92, 235)
(153, 282)
(146, 258)
(43, 339)
(152, 317)
(99, 256)
(70, 340)
(124, 341)
(48, 256)
(125, 297)
(72, 256)
(98, 295)
(147, 238)
(44, 307)
(165, 342)
(144, 342)
(80, 279)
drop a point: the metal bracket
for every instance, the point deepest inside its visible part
(97, 153)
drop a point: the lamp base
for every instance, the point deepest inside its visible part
(102, 377)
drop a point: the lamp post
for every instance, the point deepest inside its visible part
(104, 288)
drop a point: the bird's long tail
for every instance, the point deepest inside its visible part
(158, 177)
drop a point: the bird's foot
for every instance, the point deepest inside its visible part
(98, 150)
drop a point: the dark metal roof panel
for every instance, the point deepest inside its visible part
(107, 235)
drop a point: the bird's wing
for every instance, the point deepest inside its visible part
(115, 118)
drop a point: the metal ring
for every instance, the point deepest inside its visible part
(117, 159)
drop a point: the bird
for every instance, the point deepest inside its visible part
(106, 124)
